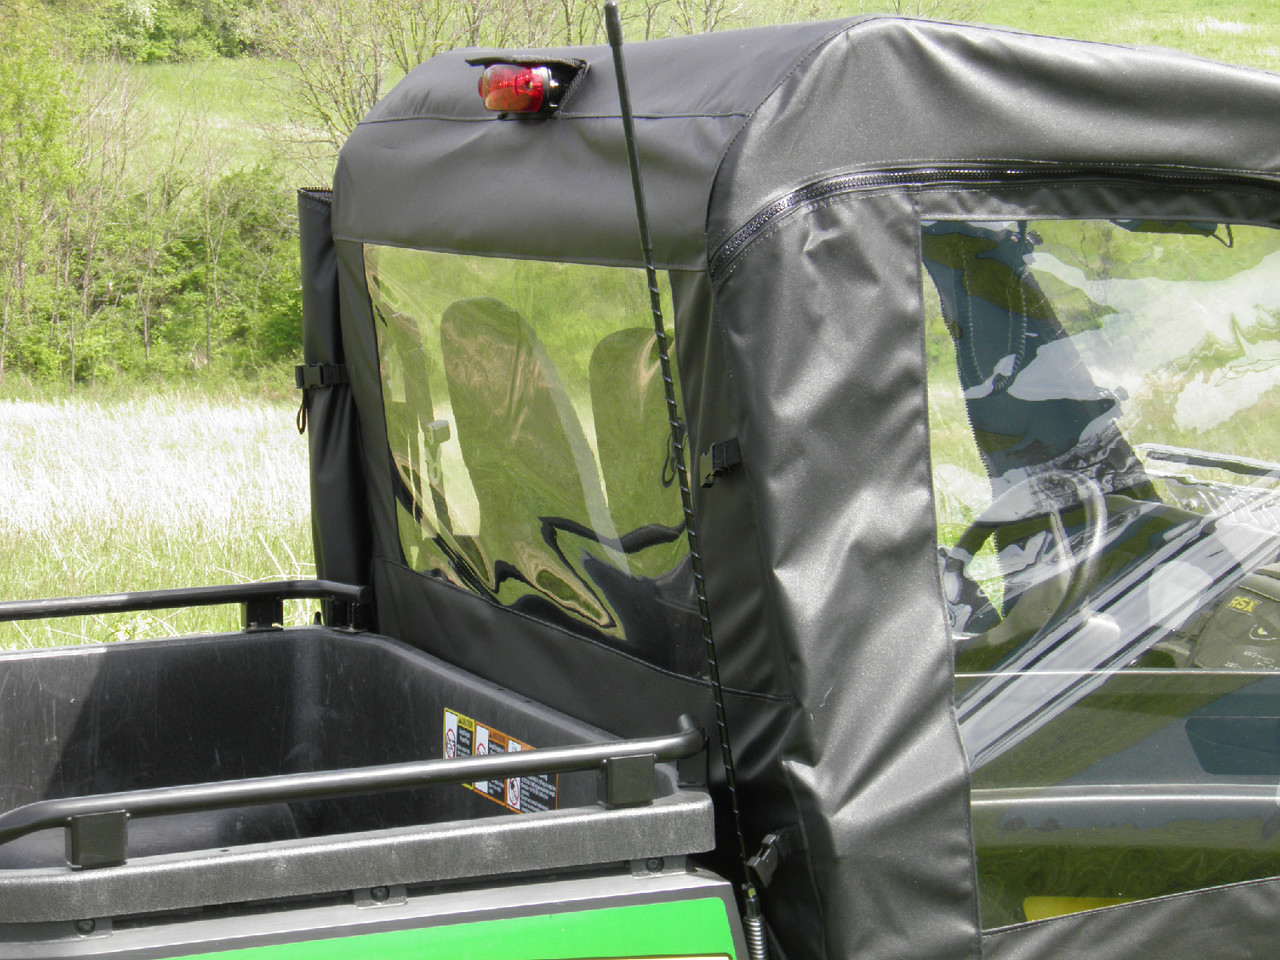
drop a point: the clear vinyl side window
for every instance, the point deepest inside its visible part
(1104, 405)
(530, 443)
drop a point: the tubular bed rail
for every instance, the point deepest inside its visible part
(97, 825)
(262, 603)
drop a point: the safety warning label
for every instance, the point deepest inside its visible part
(465, 737)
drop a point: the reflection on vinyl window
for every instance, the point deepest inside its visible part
(530, 443)
(1105, 434)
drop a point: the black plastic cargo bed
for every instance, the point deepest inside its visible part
(133, 721)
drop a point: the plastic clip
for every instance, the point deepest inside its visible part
(719, 460)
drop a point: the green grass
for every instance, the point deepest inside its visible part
(230, 112)
(206, 118)
(1245, 32)
(109, 493)
(223, 102)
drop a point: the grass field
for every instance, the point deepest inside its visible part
(1245, 32)
(209, 117)
(227, 99)
(170, 489)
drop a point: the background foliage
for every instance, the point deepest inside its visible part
(149, 148)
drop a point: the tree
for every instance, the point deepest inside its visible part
(93, 255)
(159, 189)
(150, 30)
(334, 59)
(704, 16)
(37, 166)
(337, 58)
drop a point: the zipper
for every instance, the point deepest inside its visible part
(967, 175)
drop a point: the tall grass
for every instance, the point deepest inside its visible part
(104, 494)
(202, 119)
(225, 103)
(1235, 31)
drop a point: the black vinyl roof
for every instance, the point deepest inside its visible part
(691, 97)
(756, 113)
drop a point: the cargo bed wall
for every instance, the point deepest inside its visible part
(101, 719)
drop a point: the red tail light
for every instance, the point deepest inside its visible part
(516, 88)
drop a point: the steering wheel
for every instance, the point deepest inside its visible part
(1023, 501)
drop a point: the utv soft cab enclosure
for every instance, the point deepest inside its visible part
(976, 367)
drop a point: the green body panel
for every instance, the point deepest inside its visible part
(681, 928)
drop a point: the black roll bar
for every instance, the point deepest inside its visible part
(97, 832)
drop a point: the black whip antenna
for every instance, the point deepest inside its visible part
(751, 900)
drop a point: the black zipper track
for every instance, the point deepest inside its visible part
(959, 176)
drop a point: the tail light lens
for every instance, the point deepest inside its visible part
(517, 88)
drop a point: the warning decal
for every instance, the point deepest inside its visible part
(465, 737)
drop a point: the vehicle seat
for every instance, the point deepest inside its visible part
(655, 597)
(410, 419)
(528, 459)
(1007, 339)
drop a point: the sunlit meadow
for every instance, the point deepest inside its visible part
(154, 491)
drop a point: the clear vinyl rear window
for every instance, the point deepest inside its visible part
(1104, 408)
(530, 443)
